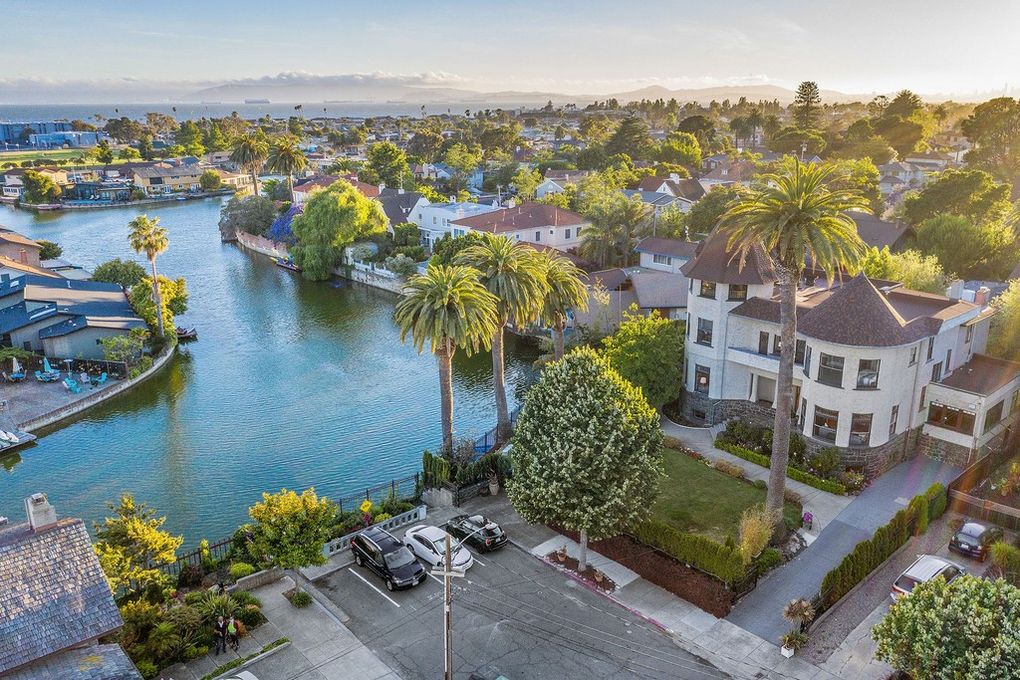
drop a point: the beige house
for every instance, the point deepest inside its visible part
(535, 223)
(18, 248)
(162, 179)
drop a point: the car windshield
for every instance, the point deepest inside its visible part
(971, 531)
(906, 583)
(440, 546)
(400, 557)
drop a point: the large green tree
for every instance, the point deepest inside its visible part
(565, 293)
(148, 238)
(251, 214)
(789, 217)
(964, 630)
(286, 158)
(966, 248)
(967, 192)
(333, 218)
(807, 105)
(448, 308)
(525, 182)
(388, 163)
(631, 137)
(173, 296)
(39, 188)
(649, 352)
(617, 222)
(586, 450)
(132, 544)
(463, 160)
(289, 529)
(911, 268)
(124, 272)
(681, 148)
(706, 213)
(515, 274)
(1004, 338)
(994, 129)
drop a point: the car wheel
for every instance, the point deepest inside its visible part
(358, 561)
(389, 585)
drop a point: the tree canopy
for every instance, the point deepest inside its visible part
(290, 529)
(388, 163)
(1004, 338)
(911, 268)
(39, 188)
(124, 272)
(173, 294)
(993, 128)
(966, 248)
(648, 351)
(967, 192)
(132, 544)
(251, 214)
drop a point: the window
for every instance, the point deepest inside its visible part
(662, 259)
(993, 416)
(893, 419)
(830, 370)
(538, 237)
(807, 362)
(702, 377)
(867, 374)
(913, 355)
(936, 372)
(970, 334)
(707, 290)
(949, 361)
(566, 233)
(826, 424)
(763, 342)
(924, 388)
(798, 352)
(860, 429)
(931, 348)
(687, 325)
(704, 332)
(951, 418)
(737, 291)
(552, 232)
(690, 286)
(803, 412)
(777, 345)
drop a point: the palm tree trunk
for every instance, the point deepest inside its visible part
(582, 556)
(290, 186)
(445, 359)
(558, 338)
(157, 298)
(784, 396)
(499, 381)
(255, 179)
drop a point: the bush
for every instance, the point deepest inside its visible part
(938, 498)
(852, 480)
(195, 597)
(756, 526)
(251, 615)
(826, 463)
(791, 472)
(728, 468)
(725, 562)
(791, 496)
(190, 576)
(195, 651)
(761, 484)
(382, 517)
(240, 570)
(920, 503)
(212, 606)
(769, 559)
(300, 599)
(243, 597)
(1006, 558)
(673, 443)
(147, 668)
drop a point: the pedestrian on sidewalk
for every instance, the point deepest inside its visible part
(220, 635)
(232, 633)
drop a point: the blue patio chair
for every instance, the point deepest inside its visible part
(101, 379)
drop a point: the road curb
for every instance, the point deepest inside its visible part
(333, 609)
(249, 662)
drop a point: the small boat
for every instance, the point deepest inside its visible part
(186, 333)
(287, 264)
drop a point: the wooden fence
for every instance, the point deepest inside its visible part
(963, 500)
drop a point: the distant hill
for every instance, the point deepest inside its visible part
(732, 92)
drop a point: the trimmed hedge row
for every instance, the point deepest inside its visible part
(791, 472)
(723, 561)
(869, 555)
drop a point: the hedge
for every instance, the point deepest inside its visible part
(938, 499)
(888, 538)
(793, 473)
(722, 561)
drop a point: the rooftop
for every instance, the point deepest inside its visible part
(878, 232)
(660, 290)
(10, 236)
(714, 261)
(983, 375)
(667, 246)
(169, 171)
(525, 216)
(89, 298)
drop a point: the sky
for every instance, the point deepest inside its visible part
(62, 48)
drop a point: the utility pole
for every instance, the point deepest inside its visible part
(447, 574)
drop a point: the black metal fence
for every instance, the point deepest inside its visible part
(216, 551)
(94, 367)
(488, 441)
(405, 488)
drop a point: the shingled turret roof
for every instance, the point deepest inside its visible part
(714, 261)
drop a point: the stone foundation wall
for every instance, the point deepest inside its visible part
(955, 454)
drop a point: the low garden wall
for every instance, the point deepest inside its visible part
(377, 278)
(257, 580)
(339, 545)
(262, 245)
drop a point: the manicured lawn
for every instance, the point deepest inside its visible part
(697, 498)
(50, 154)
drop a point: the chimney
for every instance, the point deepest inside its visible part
(23, 256)
(955, 289)
(982, 295)
(41, 515)
(382, 185)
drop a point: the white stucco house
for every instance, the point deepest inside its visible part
(435, 220)
(557, 181)
(881, 372)
(530, 222)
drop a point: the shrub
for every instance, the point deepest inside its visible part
(217, 605)
(756, 526)
(769, 559)
(852, 480)
(195, 597)
(791, 496)
(382, 517)
(673, 443)
(190, 576)
(938, 498)
(728, 468)
(243, 597)
(240, 570)
(147, 668)
(920, 503)
(1006, 558)
(195, 651)
(761, 484)
(826, 462)
(300, 599)
(793, 473)
(722, 561)
(250, 615)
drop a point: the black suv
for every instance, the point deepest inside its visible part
(478, 531)
(381, 552)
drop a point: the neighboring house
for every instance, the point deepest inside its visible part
(725, 174)
(930, 161)
(557, 181)
(402, 206)
(162, 178)
(474, 179)
(610, 294)
(689, 190)
(879, 368)
(19, 248)
(881, 233)
(435, 219)
(220, 159)
(658, 201)
(663, 292)
(55, 604)
(62, 317)
(665, 254)
(66, 270)
(890, 184)
(237, 180)
(909, 174)
(13, 180)
(529, 222)
(14, 268)
(304, 190)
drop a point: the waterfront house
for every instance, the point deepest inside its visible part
(435, 220)
(303, 191)
(879, 368)
(12, 180)
(402, 207)
(62, 317)
(163, 178)
(529, 222)
(55, 604)
(14, 246)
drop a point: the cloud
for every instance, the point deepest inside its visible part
(428, 78)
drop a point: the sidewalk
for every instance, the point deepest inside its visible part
(320, 648)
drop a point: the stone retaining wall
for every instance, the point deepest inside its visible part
(262, 245)
(257, 580)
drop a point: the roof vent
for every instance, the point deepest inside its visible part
(41, 515)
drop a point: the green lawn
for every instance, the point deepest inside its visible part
(49, 154)
(697, 498)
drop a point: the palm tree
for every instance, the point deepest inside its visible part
(565, 291)
(449, 308)
(286, 158)
(791, 216)
(250, 151)
(148, 237)
(514, 273)
(754, 121)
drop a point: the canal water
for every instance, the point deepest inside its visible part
(291, 384)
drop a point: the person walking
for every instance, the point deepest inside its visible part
(220, 636)
(232, 633)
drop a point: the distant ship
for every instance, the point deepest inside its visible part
(256, 101)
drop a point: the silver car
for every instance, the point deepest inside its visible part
(428, 544)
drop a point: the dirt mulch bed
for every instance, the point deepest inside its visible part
(570, 564)
(654, 566)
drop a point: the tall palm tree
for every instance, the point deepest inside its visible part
(286, 158)
(250, 151)
(791, 216)
(451, 309)
(148, 237)
(565, 291)
(515, 274)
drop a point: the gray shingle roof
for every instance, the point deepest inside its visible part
(90, 298)
(397, 206)
(879, 233)
(658, 245)
(95, 662)
(660, 290)
(715, 262)
(54, 593)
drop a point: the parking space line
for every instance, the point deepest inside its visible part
(478, 561)
(365, 581)
(435, 578)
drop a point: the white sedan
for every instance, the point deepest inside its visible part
(428, 544)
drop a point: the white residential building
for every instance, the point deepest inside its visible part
(536, 223)
(435, 219)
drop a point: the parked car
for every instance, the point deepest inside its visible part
(381, 552)
(924, 569)
(429, 545)
(483, 534)
(975, 540)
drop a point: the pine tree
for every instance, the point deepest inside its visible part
(806, 104)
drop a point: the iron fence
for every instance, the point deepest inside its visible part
(488, 441)
(405, 489)
(216, 551)
(963, 500)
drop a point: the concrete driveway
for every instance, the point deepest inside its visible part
(513, 617)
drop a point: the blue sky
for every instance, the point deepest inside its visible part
(569, 46)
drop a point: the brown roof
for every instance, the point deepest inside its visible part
(660, 290)
(714, 262)
(737, 171)
(611, 279)
(366, 190)
(525, 216)
(27, 268)
(667, 246)
(877, 232)
(983, 375)
(15, 237)
(580, 262)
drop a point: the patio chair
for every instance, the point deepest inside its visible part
(101, 379)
